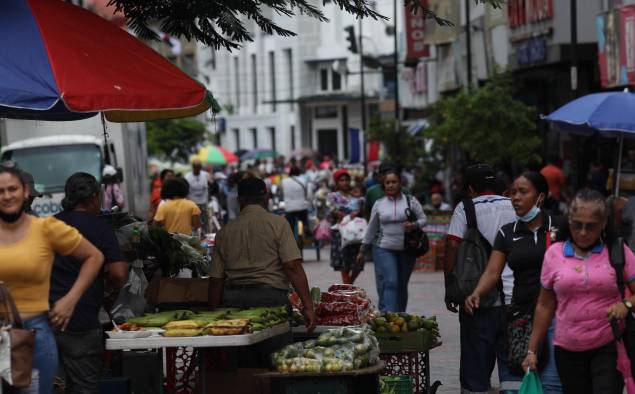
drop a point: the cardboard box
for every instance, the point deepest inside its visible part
(178, 292)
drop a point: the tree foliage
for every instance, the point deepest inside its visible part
(174, 139)
(487, 123)
(218, 23)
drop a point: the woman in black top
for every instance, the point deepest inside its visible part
(522, 245)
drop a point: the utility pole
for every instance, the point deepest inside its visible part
(468, 43)
(363, 96)
(397, 133)
(574, 46)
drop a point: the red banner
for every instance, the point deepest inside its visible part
(521, 12)
(627, 42)
(415, 34)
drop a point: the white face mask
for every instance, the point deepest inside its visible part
(533, 212)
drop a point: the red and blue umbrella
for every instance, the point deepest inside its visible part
(59, 61)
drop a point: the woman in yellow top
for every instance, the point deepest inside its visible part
(177, 214)
(27, 248)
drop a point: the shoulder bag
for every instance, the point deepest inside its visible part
(415, 241)
(16, 345)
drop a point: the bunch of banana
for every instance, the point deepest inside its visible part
(184, 328)
(227, 327)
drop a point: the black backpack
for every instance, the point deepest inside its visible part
(471, 259)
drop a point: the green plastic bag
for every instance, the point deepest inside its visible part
(531, 384)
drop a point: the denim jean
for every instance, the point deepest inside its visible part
(44, 356)
(482, 345)
(392, 273)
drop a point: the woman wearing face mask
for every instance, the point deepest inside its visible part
(579, 286)
(27, 248)
(522, 245)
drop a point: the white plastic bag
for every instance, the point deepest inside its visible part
(352, 231)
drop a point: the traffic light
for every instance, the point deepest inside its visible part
(350, 37)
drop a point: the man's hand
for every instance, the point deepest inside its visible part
(471, 303)
(310, 319)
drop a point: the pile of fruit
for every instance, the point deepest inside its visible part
(404, 322)
(222, 321)
(342, 349)
(341, 305)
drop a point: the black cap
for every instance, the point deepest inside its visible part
(28, 180)
(481, 177)
(252, 187)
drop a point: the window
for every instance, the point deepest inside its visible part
(237, 82)
(272, 137)
(292, 137)
(289, 58)
(272, 73)
(254, 84)
(326, 112)
(324, 79)
(237, 138)
(336, 80)
(254, 138)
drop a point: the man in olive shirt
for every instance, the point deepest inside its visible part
(256, 257)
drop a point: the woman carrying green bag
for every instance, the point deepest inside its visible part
(531, 384)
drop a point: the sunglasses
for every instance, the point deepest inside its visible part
(589, 226)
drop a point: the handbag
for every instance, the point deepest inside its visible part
(416, 241)
(16, 345)
(531, 384)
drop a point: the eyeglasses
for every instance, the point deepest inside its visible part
(579, 226)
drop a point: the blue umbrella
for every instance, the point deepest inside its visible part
(611, 113)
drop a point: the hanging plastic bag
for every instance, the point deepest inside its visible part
(323, 231)
(131, 301)
(531, 384)
(352, 230)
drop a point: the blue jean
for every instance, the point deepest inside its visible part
(392, 273)
(45, 359)
(482, 346)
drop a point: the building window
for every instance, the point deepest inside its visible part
(254, 138)
(328, 112)
(336, 80)
(272, 137)
(272, 73)
(289, 59)
(324, 79)
(237, 138)
(292, 137)
(254, 84)
(237, 82)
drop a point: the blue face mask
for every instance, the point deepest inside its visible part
(531, 215)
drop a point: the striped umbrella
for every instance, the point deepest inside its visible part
(215, 155)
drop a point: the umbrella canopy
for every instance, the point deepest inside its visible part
(216, 155)
(258, 154)
(611, 113)
(62, 62)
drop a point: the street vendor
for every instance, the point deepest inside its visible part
(256, 257)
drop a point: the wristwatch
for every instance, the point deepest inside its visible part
(628, 304)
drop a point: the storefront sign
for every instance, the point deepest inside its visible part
(531, 51)
(616, 46)
(522, 12)
(415, 34)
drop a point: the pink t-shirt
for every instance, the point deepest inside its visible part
(585, 289)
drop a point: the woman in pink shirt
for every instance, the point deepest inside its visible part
(579, 285)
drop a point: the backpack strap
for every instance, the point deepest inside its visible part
(470, 213)
(616, 255)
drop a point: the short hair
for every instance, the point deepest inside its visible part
(590, 196)
(79, 189)
(295, 171)
(175, 188)
(164, 173)
(481, 178)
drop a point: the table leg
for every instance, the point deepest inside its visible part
(202, 369)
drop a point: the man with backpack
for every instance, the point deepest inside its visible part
(472, 231)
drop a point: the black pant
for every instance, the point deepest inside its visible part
(298, 216)
(81, 356)
(589, 372)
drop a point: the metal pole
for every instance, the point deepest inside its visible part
(468, 43)
(396, 61)
(574, 46)
(616, 176)
(363, 97)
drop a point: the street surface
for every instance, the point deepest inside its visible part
(426, 291)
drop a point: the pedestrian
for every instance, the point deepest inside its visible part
(113, 196)
(482, 334)
(437, 204)
(522, 245)
(199, 181)
(81, 345)
(231, 193)
(297, 193)
(178, 214)
(579, 287)
(33, 192)
(376, 191)
(341, 204)
(27, 248)
(393, 264)
(557, 182)
(155, 195)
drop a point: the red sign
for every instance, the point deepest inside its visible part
(415, 33)
(627, 42)
(522, 12)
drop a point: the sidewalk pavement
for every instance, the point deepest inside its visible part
(426, 293)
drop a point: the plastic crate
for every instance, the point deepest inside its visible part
(396, 384)
(404, 341)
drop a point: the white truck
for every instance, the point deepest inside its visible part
(52, 151)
